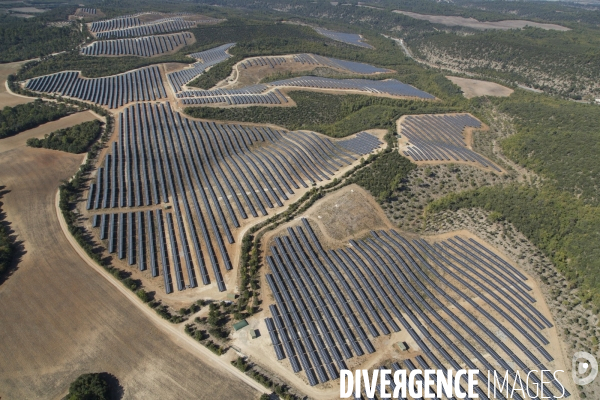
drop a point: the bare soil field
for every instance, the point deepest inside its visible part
(473, 23)
(19, 140)
(60, 318)
(475, 87)
(6, 98)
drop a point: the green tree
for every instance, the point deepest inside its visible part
(88, 387)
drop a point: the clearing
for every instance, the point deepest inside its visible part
(475, 87)
(473, 23)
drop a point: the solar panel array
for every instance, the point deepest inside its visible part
(207, 59)
(146, 46)
(114, 24)
(91, 11)
(272, 62)
(249, 95)
(270, 98)
(363, 143)
(254, 89)
(350, 66)
(388, 86)
(440, 138)
(165, 25)
(211, 174)
(349, 38)
(327, 301)
(144, 84)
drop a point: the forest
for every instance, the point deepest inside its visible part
(7, 248)
(23, 39)
(22, 117)
(384, 175)
(558, 139)
(563, 227)
(564, 63)
(332, 115)
(75, 139)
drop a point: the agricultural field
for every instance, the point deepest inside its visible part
(223, 201)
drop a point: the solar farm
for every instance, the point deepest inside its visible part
(440, 138)
(144, 84)
(214, 177)
(348, 38)
(86, 12)
(134, 25)
(205, 59)
(390, 87)
(147, 46)
(171, 197)
(458, 302)
(311, 60)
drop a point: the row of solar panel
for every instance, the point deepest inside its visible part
(213, 55)
(208, 57)
(350, 66)
(158, 27)
(145, 243)
(147, 46)
(253, 89)
(143, 84)
(363, 143)
(407, 276)
(440, 138)
(388, 86)
(262, 61)
(349, 38)
(87, 10)
(159, 153)
(389, 262)
(239, 99)
(115, 23)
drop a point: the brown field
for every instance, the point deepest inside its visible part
(7, 99)
(473, 23)
(19, 140)
(475, 88)
(61, 318)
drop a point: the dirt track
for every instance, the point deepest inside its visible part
(60, 318)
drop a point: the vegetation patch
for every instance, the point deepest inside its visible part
(332, 115)
(22, 117)
(557, 139)
(23, 39)
(76, 139)
(7, 250)
(384, 175)
(564, 228)
(89, 387)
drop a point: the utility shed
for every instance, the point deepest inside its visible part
(401, 346)
(239, 325)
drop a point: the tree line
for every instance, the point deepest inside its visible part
(333, 115)
(22, 117)
(75, 139)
